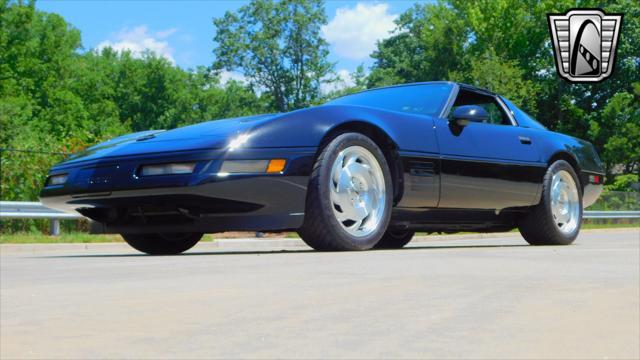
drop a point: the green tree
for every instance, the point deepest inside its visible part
(428, 44)
(358, 78)
(278, 47)
(37, 108)
(617, 130)
(624, 183)
(212, 100)
(500, 76)
(36, 54)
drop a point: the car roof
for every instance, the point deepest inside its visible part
(462, 85)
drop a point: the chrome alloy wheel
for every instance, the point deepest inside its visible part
(565, 202)
(357, 190)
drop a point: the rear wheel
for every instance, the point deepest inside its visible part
(557, 218)
(349, 196)
(163, 243)
(395, 239)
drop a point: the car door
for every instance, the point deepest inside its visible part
(489, 165)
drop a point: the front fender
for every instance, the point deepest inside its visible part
(590, 168)
(583, 152)
(307, 128)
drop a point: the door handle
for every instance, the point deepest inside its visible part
(525, 140)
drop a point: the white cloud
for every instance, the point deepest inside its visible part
(353, 32)
(343, 80)
(163, 34)
(138, 39)
(226, 76)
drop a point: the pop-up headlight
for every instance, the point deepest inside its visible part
(55, 180)
(167, 169)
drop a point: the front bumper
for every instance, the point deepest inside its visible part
(110, 192)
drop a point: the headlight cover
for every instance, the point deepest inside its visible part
(56, 180)
(244, 166)
(167, 169)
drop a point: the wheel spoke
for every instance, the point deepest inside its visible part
(563, 217)
(360, 211)
(555, 189)
(340, 194)
(370, 198)
(337, 197)
(356, 225)
(337, 167)
(341, 216)
(344, 181)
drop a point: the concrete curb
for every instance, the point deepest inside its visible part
(251, 243)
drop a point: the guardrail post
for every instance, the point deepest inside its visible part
(54, 228)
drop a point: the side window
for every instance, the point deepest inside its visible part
(497, 115)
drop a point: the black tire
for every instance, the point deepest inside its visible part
(538, 227)
(162, 244)
(395, 239)
(321, 230)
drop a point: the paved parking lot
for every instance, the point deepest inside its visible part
(481, 298)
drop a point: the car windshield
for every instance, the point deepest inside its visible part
(424, 99)
(523, 119)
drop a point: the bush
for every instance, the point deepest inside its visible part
(627, 182)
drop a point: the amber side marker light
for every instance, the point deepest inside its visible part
(276, 165)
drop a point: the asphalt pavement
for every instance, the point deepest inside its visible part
(470, 297)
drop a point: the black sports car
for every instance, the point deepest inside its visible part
(363, 171)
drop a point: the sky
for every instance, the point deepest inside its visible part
(182, 31)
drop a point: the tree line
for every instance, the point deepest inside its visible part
(57, 97)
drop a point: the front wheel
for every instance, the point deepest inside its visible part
(163, 243)
(557, 218)
(349, 197)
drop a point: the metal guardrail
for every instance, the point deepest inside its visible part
(35, 210)
(31, 210)
(611, 214)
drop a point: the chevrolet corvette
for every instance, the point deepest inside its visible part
(363, 171)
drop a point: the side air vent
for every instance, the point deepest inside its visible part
(421, 168)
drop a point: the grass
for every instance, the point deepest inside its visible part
(37, 238)
(70, 238)
(635, 224)
(78, 237)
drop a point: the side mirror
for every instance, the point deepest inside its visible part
(463, 115)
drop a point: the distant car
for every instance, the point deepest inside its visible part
(363, 171)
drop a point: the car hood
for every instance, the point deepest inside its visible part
(214, 134)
